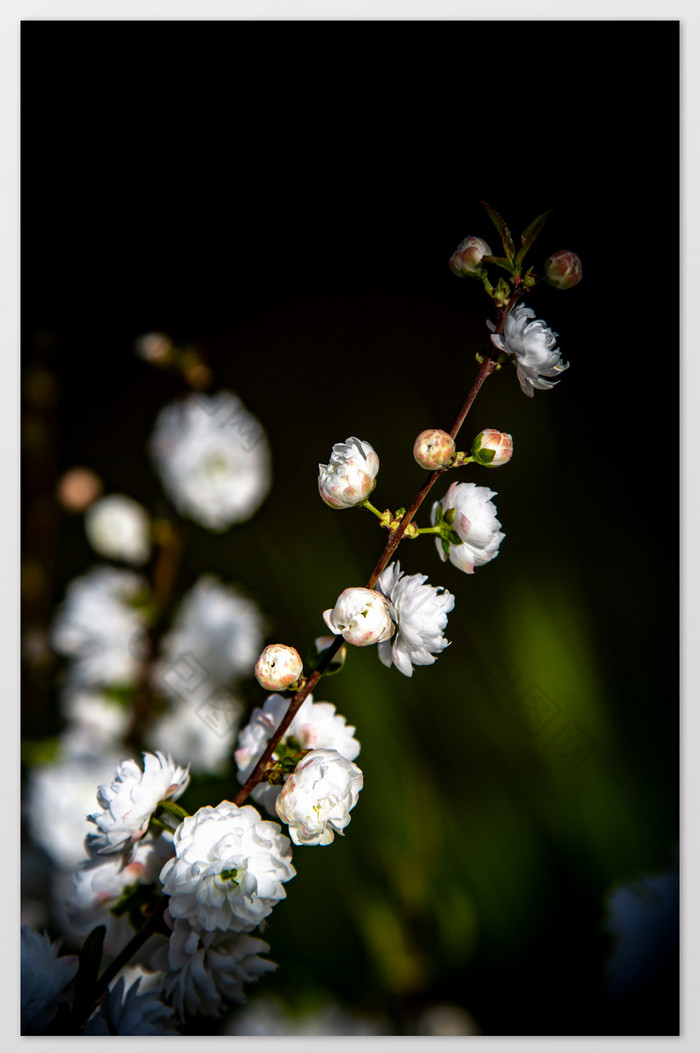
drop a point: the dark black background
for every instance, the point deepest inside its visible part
(287, 195)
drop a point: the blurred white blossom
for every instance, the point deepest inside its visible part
(213, 459)
(474, 522)
(349, 477)
(100, 625)
(130, 800)
(316, 725)
(44, 977)
(125, 1011)
(229, 868)
(421, 616)
(317, 798)
(119, 528)
(534, 347)
(203, 971)
(96, 722)
(202, 737)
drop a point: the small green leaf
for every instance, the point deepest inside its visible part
(530, 233)
(498, 261)
(500, 225)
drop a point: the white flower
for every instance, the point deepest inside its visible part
(318, 796)
(44, 977)
(474, 521)
(129, 1012)
(96, 722)
(131, 799)
(278, 666)
(213, 459)
(316, 725)
(349, 476)
(229, 868)
(216, 636)
(59, 797)
(203, 969)
(100, 625)
(361, 616)
(421, 616)
(119, 528)
(534, 347)
(202, 735)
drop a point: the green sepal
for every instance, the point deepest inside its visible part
(530, 233)
(484, 456)
(88, 968)
(445, 546)
(450, 516)
(500, 225)
(440, 515)
(454, 538)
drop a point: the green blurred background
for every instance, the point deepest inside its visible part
(286, 196)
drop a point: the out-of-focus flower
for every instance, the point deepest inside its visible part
(96, 722)
(229, 867)
(130, 1012)
(446, 1019)
(421, 617)
(361, 616)
(465, 261)
(216, 636)
(155, 348)
(202, 735)
(266, 1015)
(131, 799)
(317, 798)
(316, 725)
(203, 971)
(44, 977)
(78, 488)
(119, 528)
(349, 477)
(434, 449)
(474, 522)
(213, 458)
(563, 270)
(59, 797)
(100, 625)
(534, 347)
(492, 448)
(278, 666)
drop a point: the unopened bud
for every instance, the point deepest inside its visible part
(78, 488)
(434, 449)
(119, 528)
(319, 648)
(361, 616)
(348, 478)
(492, 448)
(563, 270)
(278, 667)
(466, 260)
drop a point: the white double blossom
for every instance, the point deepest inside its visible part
(361, 616)
(318, 796)
(216, 636)
(131, 799)
(100, 882)
(44, 977)
(534, 347)
(316, 725)
(421, 616)
(213, 459)
(474, 521)
(100, 625)
(119, 528)
(228, 869)
(349, 477)
(203, 971)
(131, 1012)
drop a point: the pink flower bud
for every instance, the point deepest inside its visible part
(492, 448)
(361, 616)
(434, 449)
(466, 260)
(278, 667)
(563, 270)
(349, 477)
(78, 488)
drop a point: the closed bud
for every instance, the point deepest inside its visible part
(361, 616)
(278, 667)
(465, 262)
(492, 448)
(563, 270)
(319, 648)
(78, 488)
(349, 477)
(434, 449)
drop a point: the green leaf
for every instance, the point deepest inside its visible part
(88, 969)
(500, 225)
(498, 261)
(530, 233)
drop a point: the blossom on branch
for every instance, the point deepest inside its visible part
(119, 528)
(361, 616)
(317, 798)
(228, 869)
(534, 348)
(349, 477)
(278, 667)
(421, 616)
(472, 516)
